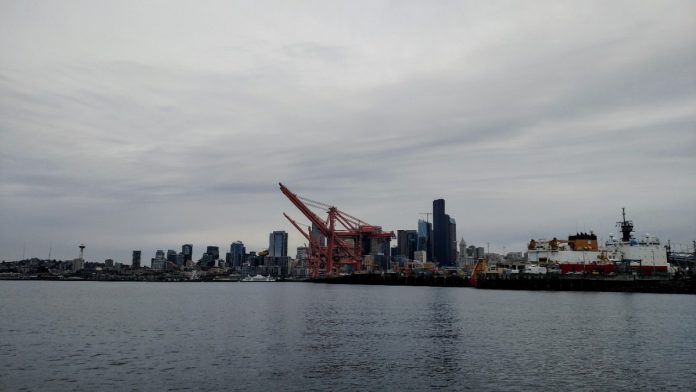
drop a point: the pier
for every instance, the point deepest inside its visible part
(619, 283)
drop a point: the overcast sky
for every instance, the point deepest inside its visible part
(146, 125)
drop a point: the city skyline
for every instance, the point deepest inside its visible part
(146, 126)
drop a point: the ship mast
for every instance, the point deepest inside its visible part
(626, 226)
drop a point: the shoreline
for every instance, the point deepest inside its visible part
(628, 284)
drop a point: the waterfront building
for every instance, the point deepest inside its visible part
(282, 264)
(136, 259)
(471, 253)
(480, 252)
(157, 264)
(159, 255)
(381, 261)
(462, 253)
(425, 238)
(302, 253)
(278, 244)
(180, 260)
(171, 255)
(515, 257)
(109, 263)
(452, 240)
(238, 252)
(187, 250)
(78, 264)
(317, 236)
(213, 252)
(406, 243)
(210, 257)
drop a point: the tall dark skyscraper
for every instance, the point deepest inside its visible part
(213, 252)
(440, 232)
(136, 259)
(187, 251)
(237, 252)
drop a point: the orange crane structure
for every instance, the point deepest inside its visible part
(335, 241)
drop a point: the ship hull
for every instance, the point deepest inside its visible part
(606, 269)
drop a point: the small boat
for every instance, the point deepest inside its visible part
(226, 278)
(259, 278)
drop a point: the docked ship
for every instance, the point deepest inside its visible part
(581, 254)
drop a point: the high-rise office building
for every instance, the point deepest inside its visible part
(440, 232)
(406, 243)
(317, 236)
(136, 259)
(237, 252)
(444, 235)
(159, 255)
(471, 254)
(425, 238)
(278, 244)
(452, 240)
(302, 254)
(180, 260)
(187, 251)
(213, 252)
(462, 252)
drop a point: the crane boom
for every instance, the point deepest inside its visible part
(345, 236)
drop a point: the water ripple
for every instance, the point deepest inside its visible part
(304, 337)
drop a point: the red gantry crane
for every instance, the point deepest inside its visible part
(337, 240)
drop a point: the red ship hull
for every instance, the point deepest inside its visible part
(605, 269)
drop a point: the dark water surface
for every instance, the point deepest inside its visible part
(57, 336)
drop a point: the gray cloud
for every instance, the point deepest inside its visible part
(529, 120)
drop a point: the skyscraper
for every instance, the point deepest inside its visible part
(237, 252)
(444, 235)
(406, 243)
(462, 252)
(136, 259)
(316, 235)
(278, 244)
(452, 241)
(187, 250)
(425, 238)
(213, 252)
(440, 232)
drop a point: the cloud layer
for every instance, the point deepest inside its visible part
(128, 126)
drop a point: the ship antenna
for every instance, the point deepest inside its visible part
(626, 226)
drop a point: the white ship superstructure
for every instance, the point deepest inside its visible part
(581, 253)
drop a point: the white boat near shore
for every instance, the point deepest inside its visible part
(259, 278)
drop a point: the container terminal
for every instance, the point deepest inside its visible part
(342, 251)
